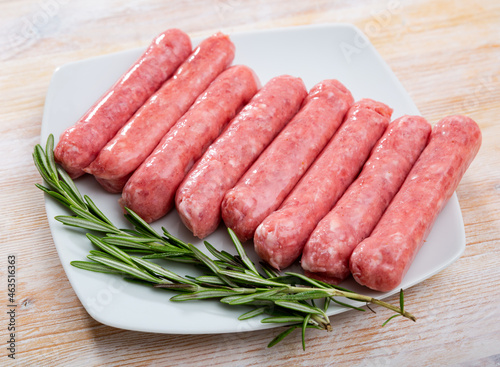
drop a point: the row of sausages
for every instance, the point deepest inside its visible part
(311, 175)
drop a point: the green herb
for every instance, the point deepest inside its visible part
(287, 298)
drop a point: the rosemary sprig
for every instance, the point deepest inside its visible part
(287, 298)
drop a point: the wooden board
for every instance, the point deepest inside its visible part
(446, 54)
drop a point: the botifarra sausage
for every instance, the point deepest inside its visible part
(79, 145)
(381, 260)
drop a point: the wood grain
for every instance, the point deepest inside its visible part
(446, 54)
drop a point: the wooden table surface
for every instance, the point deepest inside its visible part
(447, 56)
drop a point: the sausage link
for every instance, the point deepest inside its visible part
(199, 197)
(142, 133)
(79, 145)
(328, 249)
(151, 189)
(381, 260)
(271, 178)
(279, 240)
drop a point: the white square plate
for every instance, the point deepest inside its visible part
(313, 53)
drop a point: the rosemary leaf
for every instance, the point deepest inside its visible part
(110, 249)
(42, 164)
(204, 259)
(134, 271)
(282, 319)
(253, 313)
(313, 282)
(37, 159)
(299, 307)
(282, 336)
(265, 295)
(138, 251)
(135, 238)
(125, 243)
(101, 253)
(270, 272)
(401, 301)
(259, 303)
(139, 222)
(49, 149)
(210, 279)
(174, 239)
(69, 187)
(85, 224)
(204, 294)
(95, 210)
(93, 266)
(179, 259)
(157, 269)
(210, 264)
(85, 214)
(304, 327)
(222, 256)
(230, 266)
(390, 318)
(307, 295)
(347, 305)
(327, 303)
(241, 251)
(60, 198)
(249, 278)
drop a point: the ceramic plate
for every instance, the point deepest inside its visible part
(313, 53)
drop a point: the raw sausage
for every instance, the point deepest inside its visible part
(79, 145)
(142, 133)
(381, 260)
(271, 178)
(151, 189)
(199, 197)
(327, 252)
(279, 240)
